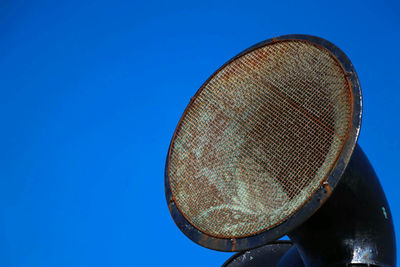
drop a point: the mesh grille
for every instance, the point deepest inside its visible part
(259, 138)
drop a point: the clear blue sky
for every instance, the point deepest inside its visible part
(91, 92)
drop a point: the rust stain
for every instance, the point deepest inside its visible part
(204, 239)
(328, 188)
(274, 40)
(233, 244)
(208, 241)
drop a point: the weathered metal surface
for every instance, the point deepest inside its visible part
(276, 254)
(258, 236)
(260, 138)
(354, 226)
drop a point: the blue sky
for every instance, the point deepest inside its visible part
(91, 92)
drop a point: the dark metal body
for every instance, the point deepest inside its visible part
(355, 224)
(291, 258)
(353, 228)
(279, 253)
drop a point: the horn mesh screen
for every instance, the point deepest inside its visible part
(259, 138)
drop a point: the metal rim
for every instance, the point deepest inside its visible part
(277, 245)
(316, 200)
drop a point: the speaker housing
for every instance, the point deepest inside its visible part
(315, 201)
